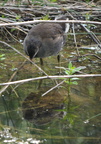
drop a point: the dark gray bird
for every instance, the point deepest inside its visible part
(45, 39)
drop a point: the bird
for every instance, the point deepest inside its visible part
(46, 39)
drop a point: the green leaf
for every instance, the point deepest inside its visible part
(75, 78)
(13, 29)
(69, 82)
(74, 107)
(75, 82)
(18, 17)
(77, 69)
(2, 55)
(2, 58)
(70, 65)
(3, 16)
(46, 17)
(67, 72)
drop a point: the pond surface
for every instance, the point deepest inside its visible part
(27, 117)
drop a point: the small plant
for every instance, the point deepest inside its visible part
(18, 17)
(46, 17)
(3, 16)
(68, 108)
(70, 115)
(70, 71)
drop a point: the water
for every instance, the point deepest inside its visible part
(27, 117)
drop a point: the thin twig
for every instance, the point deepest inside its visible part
(91, 55)
(92, 35)
(53, 88)
(75, 39)
(11, 35)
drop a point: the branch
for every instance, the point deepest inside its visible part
(50, 21)
(51, 77)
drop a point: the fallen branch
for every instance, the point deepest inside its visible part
(48, 8)
(50, 21)
(50, 77)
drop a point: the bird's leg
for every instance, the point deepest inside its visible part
(58, 58)
(41, 61)
(41, 80)
(59, 62)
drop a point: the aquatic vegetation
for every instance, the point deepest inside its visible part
(69, 108)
